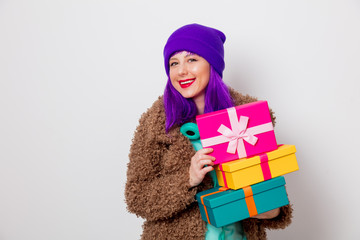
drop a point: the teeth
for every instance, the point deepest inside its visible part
(187, 82)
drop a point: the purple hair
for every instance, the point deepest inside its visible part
(180, 110)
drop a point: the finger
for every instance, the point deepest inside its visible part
(197, 159)
(202, 163)
(207, 169)
(206, 150)
(206, 157)
(207, 162)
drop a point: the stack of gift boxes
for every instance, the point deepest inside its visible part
(249, 163)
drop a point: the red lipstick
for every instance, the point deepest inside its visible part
(186, 83)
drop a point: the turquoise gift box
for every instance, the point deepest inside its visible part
(221, 206)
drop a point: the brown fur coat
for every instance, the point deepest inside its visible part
(157, 187)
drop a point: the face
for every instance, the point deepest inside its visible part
(189, 74)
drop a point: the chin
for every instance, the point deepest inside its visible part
(187, 95)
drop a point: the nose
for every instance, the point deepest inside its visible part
(182, 69)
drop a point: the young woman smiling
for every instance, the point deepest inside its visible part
(189, 75)
(165, 172)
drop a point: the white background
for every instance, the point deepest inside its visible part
(76, 75)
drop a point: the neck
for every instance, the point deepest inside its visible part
(200, 103)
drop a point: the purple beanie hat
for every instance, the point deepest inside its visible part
(205, 41)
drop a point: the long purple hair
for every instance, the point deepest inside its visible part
(180, 110)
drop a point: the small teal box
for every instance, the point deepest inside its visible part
(229, 206)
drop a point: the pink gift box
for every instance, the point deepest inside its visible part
(237, 132)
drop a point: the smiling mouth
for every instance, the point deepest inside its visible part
(186, 83)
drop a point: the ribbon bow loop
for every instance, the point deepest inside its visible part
(238, 133)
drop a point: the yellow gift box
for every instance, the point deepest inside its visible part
(248, 171)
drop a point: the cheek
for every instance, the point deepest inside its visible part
(171, 76)
(205, 76)
(173, 81)
(203, 71)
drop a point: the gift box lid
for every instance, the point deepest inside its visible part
(246, 108)
(232, 166)
(225, 197)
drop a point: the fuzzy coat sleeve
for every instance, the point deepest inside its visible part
(157, 185)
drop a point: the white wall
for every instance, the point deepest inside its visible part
(76, 75)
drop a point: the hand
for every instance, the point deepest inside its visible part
(197, 168)
(268, 215)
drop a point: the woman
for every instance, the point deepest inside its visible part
(164, 172)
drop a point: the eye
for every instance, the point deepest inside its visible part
(192, 60)
(173, 64)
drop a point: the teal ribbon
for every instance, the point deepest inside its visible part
(191, 131)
